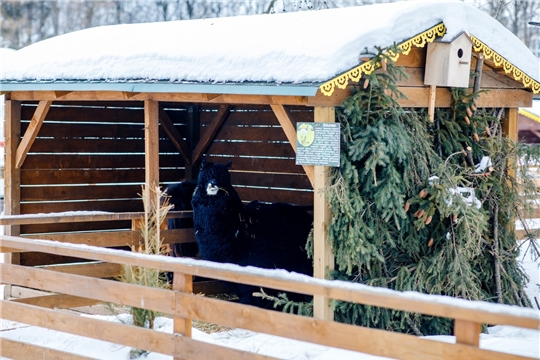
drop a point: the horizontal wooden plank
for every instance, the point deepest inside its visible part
(42, 259)
(252, 149)
(93, 269)
(77, 217)
(258, 164)
(419, 97)
(484, 312)
(110, 206)
(328, 333)
(283, 181)
(256, 116)
(260, 133)
(118, 238)
(212, 287)
(70, 130)
(76, 226)
(18, 350)
(97, 161)
(60, 193)
(91, 112)
(118, 333)
(59, 301)
(272, 195)
(121, 146)
(72, 177)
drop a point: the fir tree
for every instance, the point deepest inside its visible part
(404, 215)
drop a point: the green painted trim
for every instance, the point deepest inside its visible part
(233, 89)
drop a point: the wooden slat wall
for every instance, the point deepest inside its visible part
(89, 156)
(263, 160)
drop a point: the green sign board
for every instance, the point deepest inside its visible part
(317, 144)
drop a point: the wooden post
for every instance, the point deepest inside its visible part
(467, 332)
(182, 326)
(12, 176)
(151, 148)
(510, 123)
(192, 139)
(510, 128)
(432, 97)
(322, 251)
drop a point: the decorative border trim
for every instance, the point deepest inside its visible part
(368, 67)
(516, 73)
(420, 41)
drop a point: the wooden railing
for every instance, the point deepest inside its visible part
(184, 306)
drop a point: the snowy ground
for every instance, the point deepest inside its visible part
(500, 338)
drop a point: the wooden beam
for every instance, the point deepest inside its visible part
(101, 270)
(151, 146)
(59, 301)
(32, 131)
(175, 136)
(418, 97)
(53, 218)
(210, 133)
(161, 97)
(284, 118)
(19, 350)
(323, 255)
(59, 94)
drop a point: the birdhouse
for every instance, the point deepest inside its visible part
(449, 63)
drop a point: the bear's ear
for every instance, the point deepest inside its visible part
(203, 162)
(229, 164)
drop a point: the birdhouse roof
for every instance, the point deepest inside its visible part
(274, 54)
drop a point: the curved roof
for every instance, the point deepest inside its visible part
(288, 53)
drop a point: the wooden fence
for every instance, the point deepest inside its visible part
(184, 306)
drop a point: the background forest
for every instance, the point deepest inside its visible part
(24, 22)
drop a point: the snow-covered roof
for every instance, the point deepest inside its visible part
(246, 54)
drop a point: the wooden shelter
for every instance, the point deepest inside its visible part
(87, 146)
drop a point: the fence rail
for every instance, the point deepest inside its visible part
(184, 307)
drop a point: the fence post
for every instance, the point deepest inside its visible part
(467, 332)
(182, 326)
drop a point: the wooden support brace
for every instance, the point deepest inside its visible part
(467, 332)
(210, 133)
(32, 131)
(175, 136)
(432, 97)
(286, 123)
